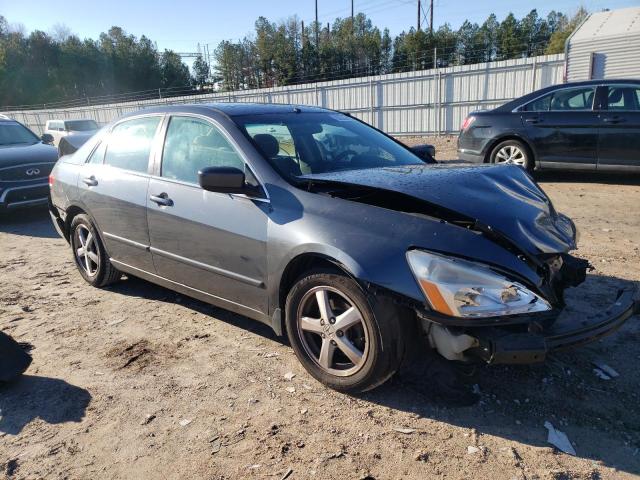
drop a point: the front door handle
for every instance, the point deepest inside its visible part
(162, 199)
(613, 120)
(90, 181)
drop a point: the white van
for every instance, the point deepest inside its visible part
(61, 128)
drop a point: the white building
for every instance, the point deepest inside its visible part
(606, 45)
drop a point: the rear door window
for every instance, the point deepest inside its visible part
(130, 144)
(98, 154)
(573, 99)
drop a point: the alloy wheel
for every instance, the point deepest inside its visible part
(511, 154)
(87, 255)
(333, 331)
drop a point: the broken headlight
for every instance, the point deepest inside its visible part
(460, 288)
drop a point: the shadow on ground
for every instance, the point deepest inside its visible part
(49, 399)
(136, 287)
(513, 402)
(32, 222)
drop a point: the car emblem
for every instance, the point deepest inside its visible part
(33, 171)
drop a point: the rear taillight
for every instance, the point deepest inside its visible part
(467, 122)
(51, 179)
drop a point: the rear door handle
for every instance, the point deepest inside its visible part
(533, 120)
(162, 199)
(613, 120)
(90, 181)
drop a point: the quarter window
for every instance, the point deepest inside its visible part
(540, 105)
(624, 98)
(192, 144)
(130, 144)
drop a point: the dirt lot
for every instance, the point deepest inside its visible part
(138, 382)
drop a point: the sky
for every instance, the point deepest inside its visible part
(181, 25)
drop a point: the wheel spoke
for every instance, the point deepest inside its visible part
(349, 350)
(322, 297)
(93, 256)
(309, 324)
(87, 264)
(80, 252)
(348, 319)
(89, 241)
(326, 353)
(82, 238)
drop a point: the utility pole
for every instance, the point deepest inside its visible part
(353, 29)
(419, 14)
(317, 32)
(431, 18)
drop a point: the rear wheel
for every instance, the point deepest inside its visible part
(346, 339)
(512, 152)
(89, 253)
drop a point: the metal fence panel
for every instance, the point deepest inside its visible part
(411, 103)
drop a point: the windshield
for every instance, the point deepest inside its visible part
(14, 133)
(299, 144)
(81, 125)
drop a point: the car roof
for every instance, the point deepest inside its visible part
(69, 119)
(231, 109)
(586, 83)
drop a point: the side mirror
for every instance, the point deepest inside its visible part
(46, 138)
(425, 152)
(222, 179)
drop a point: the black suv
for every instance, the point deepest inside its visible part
(25, 163)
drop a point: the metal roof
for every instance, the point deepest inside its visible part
(613, 23)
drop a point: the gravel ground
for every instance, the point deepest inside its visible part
(135, 381)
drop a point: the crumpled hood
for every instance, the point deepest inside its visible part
(502, 197)
(23, 154)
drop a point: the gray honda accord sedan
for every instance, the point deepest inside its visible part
(329, 231)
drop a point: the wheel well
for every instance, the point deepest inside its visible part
(72, 212)
(301, 264)
(487, 156)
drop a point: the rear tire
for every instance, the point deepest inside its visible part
(346, 339)
(89, 253)
(512, 152)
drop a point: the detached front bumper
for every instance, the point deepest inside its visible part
(498, 346)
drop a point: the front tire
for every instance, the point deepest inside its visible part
(90, 255)
(346, 339)
(512, 152)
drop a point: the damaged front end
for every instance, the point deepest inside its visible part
(525, 339)
(482, 309)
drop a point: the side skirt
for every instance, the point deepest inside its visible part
(195, 293)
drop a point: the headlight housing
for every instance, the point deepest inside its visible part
(460, 288)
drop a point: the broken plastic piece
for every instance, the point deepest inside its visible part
(606, 369)
(559, 439)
